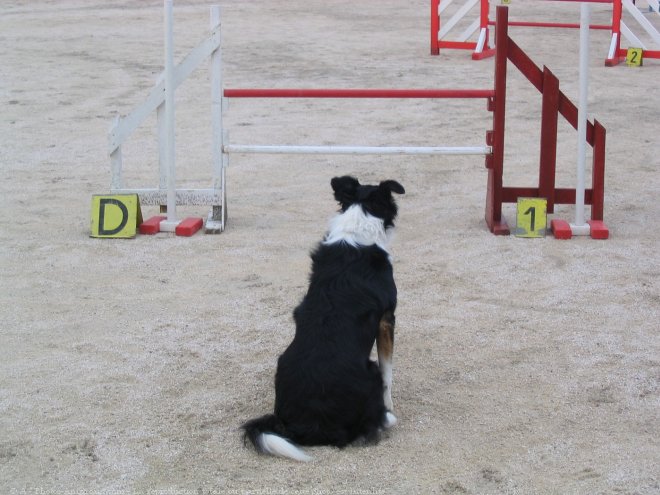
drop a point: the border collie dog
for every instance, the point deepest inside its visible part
(327, 390)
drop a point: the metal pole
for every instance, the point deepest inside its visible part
(357, 150)
(580, 227)
(171, 222)
(357, 93)
(215, 220)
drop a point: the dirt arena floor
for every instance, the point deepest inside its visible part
(522, 366)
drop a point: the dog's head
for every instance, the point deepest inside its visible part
(374, 200)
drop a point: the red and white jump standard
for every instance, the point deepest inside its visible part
(482, 47)
(554, 103)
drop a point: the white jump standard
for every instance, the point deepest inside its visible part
(161, 99)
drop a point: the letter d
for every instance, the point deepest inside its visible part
(124, 211)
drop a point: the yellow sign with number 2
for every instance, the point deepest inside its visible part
(634, 57)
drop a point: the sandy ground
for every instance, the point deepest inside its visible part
(522, 366)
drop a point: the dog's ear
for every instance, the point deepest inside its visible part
(345, 189)
(392, 186)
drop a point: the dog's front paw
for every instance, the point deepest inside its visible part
(390, 420)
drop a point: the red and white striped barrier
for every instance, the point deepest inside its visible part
(443, 22)
(619, 29)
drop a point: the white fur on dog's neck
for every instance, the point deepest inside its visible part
(358, 228)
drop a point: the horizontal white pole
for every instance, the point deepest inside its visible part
(359, 150)
(186, 197)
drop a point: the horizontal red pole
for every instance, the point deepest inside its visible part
(359, 93)
(458, 45)
(651, 53)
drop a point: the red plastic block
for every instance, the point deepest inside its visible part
(598, 229)
(561, 229)
(151, 226)
(189, 226)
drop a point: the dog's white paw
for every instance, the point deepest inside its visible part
(390, 420)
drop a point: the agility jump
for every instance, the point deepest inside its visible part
(444, 26)
(554, 103)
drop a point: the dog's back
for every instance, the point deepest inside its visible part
(328, 391)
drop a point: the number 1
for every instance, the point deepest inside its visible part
(531, 211)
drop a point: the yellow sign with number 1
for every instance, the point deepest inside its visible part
(532, 217)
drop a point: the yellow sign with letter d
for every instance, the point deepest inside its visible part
(115, 216)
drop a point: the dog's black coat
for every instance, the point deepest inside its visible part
(328, 391)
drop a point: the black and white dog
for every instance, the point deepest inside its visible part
(327, 390)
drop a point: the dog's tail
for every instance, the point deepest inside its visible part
(266, 434)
